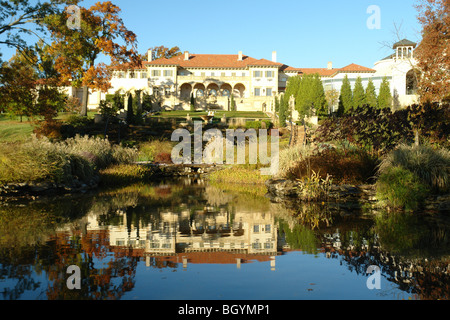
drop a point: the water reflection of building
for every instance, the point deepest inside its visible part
(210, 235)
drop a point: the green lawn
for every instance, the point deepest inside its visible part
(11, 129)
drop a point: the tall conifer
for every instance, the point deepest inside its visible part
(358, 94)
(346, 97)
(385, 96)
(371, 98)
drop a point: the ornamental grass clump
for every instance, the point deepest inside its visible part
(290, 157)
(431, 166)
(400, 188)
(409, 174)
(40, 159)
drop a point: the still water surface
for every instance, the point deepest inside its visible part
(191, 240)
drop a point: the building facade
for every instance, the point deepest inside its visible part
(210, 80)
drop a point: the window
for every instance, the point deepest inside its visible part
(226, 93)
(168, 73)
(223, 74)
(268, 245)
(203, 74)
(257, 92)
(411, 83)
(156, 73)
(256, 228)
(267, 228)
(256, 245)
(132, 75)
(154, 245)
(233, 74)
(270, 74)
(257, 74)
(143, 75)
(269, 92)
(121, 75)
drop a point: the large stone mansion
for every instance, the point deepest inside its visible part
(212, 78)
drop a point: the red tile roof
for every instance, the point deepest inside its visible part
(232, 61)
(325, 72)
(265, 63)
(208, 61)
(356, 68)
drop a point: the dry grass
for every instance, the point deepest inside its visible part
(77, 158)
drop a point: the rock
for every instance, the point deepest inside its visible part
(281, 188)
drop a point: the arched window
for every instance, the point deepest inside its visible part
(411, 83)
(200, 92)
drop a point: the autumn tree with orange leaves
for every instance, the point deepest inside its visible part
(102, 32)
(162, 52)
(433, 53)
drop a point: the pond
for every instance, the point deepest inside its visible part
(191, 240)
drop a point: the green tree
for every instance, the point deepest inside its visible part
(192, 102)
(304, 97)
(282, 113)
(385, 96)
(277, 105)
(292, 89)
(18, 90)
(309, 95)
(232, 103)
(359, 96)
(346, 97)
(371, 98)
(318, 96)
(130, 112)
(147, 104)
(25, 17)
(29, 84)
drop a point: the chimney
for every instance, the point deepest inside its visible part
(240, 56)
(274, 56)
(330, 65)
(186, 56)
(150, 55)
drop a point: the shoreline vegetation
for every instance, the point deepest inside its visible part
(354, 172)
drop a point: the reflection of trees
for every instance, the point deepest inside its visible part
(103, 276)
(29, 244)
(412, 234)
(23, 231)
(411, 250)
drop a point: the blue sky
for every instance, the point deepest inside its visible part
(304, 33)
